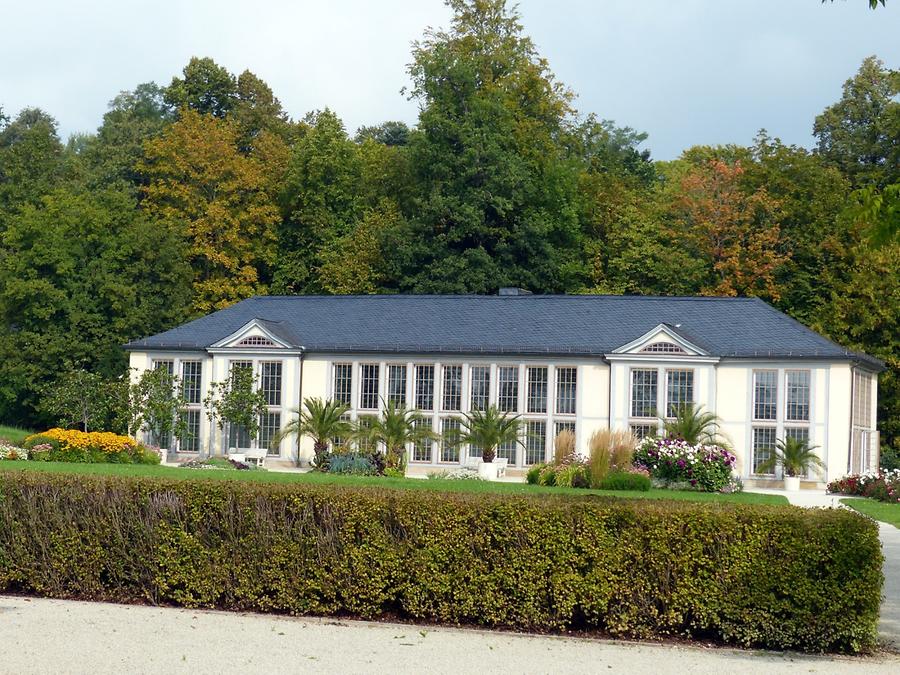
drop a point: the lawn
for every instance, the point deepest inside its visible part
(398, 483)
(14, 435)
(886, 513)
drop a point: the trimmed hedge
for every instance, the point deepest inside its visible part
(776, 577)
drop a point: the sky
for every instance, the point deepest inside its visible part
(686, 72)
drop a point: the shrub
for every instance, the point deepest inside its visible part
(574, 474)
(672, 460)
(626, 480)
(752, 575)
(610, 450)
(71, 445)
(547, 475)
(881, 485)
(564, 448)
(462, 473)
(11, 452)
(352, 463)
(533, 475)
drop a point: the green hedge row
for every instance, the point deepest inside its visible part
(765, 576)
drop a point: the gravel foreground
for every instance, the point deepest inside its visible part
(61, 636)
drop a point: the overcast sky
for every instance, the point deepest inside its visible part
(686, 72)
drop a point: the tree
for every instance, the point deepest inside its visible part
(321, 421)
(200, 184)
(859, 134)
(256, 111)
(694, 425)
(238, 404)
(158, 407)
(81, 274)
(206, 88)
(31, 160)
(734, 233)
(487, 430)
(320, 201)
(396, 428)
(496, 190)
(79, 398)
(386, 133)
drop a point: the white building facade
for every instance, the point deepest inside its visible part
(635, 385)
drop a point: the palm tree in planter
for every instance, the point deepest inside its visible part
(696, 426)
(321, 421)
(395, 428)
(796, 457)
(488, 429)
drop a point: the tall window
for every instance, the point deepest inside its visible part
(679, 390)
(190, 381)
(368, 386)
(364, 444)
(566, 379)
(397, 384)
(270, 382)
(238, 437)
(190, 438)
(168, 364)
(343, 383)
(508, 388)
(480, 378)
(535, 441)
(643, 393)
(269, 426)
(452, 388)
(421, 451)
(797, 395)
(765, 394)
(564, 426)
(449, 451)
(425, 387)
(763, 447)
(862, 400)
(537, 389)
(507, 451)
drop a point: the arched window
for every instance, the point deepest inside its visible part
(663, 348)
(256, 341)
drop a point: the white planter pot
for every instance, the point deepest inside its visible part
(792, 483)
(487, 471)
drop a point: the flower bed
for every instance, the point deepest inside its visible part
(675, 461)
(71, 445)
(8, 451)
(881, 485)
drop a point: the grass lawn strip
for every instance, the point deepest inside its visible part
(14, 435)
(886, 513)
(369, 481)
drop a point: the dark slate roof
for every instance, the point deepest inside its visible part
(518, 324)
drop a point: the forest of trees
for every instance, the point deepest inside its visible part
(196, 194)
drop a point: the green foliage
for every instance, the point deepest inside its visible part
(625, 480)
(157, 406)
(488, 429)
(394, 429)
(695, 426)
(795, 456)
(755, 576)
(351, 463)
(80, 398)
(237, 401)
(533, 475)
(321, 421)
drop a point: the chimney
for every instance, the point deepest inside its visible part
(508, 290)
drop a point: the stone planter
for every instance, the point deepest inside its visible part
(487, 471)
(792, 483)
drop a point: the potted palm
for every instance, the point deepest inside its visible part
(488, 429)
(796, 457)
(321, 421)
(395, 428)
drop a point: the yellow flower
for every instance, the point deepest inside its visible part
(80, 440)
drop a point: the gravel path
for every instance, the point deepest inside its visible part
(58, 636)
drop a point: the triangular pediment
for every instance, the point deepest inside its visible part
(254, 335)
(662, 341)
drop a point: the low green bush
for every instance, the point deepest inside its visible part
(625, 480)
(763, 576)
(351, 463)
(533, 475)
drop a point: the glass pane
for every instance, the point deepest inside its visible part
(269, 426)
(397, 384)
(190, 439)
(425, 387)
(643, 430)
(368, 386)
(565, 390)
(763, 447)
(449, 451)
(679, 390)
(765, 394)
(537, 389)
(535, 442)
(508, 388)
(343, 383)
(238, 437)
(421, 451)
(270, 382)
(452, 388)
(797, 386)
(643, 393)
(481, 387)
(190, 381)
